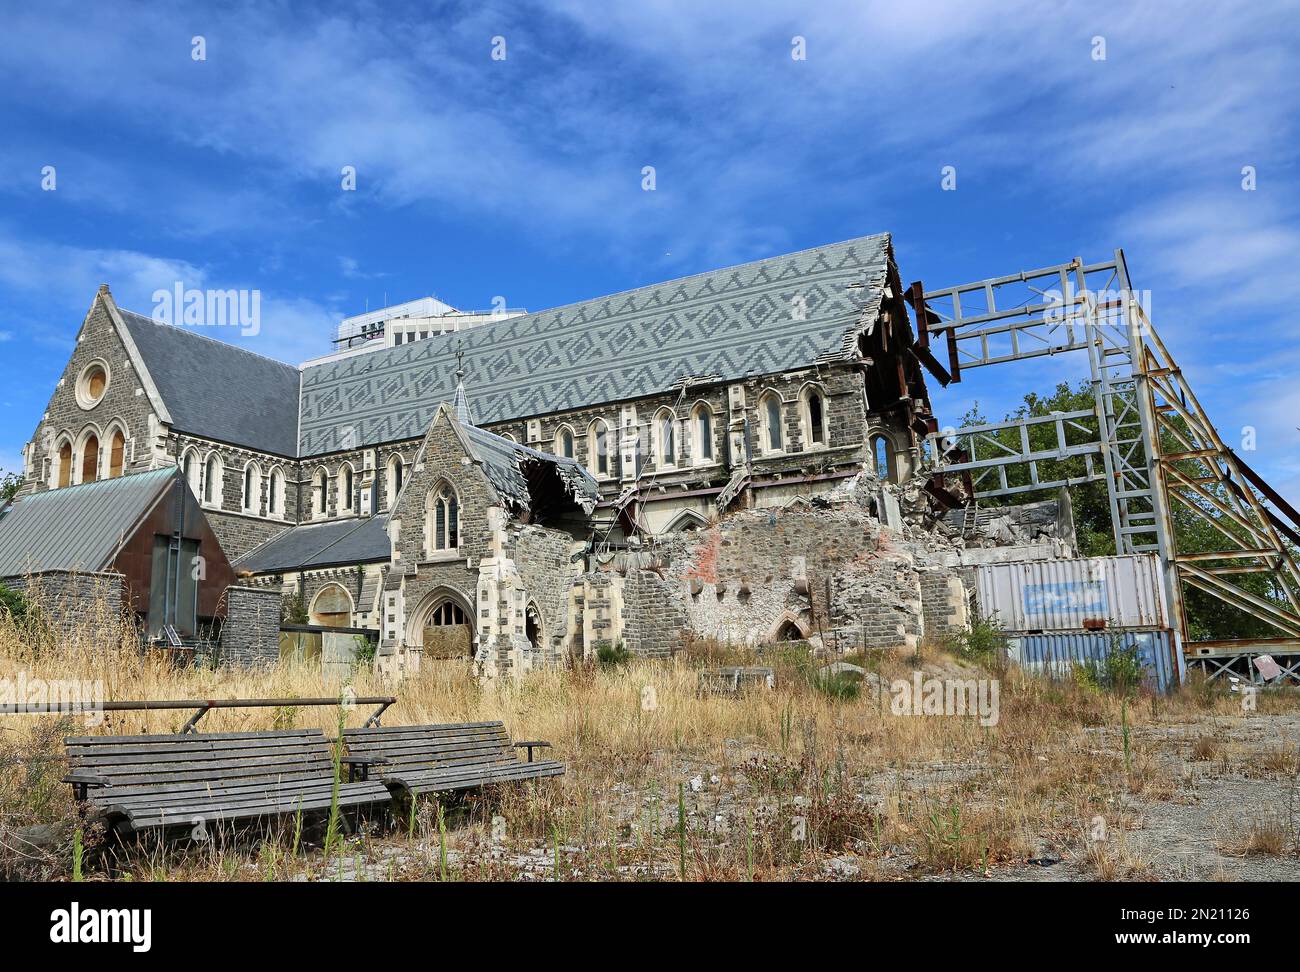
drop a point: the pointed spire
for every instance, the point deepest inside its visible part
(461, 403)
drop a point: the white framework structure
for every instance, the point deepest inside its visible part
(1146, 437)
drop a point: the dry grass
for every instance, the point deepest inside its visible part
(1265, 838)
(1205, 747)
(772, 785)
(1117, 860)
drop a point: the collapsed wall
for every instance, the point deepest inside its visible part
(826, 570)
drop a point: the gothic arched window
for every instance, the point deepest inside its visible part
(252, 501)
(442, 519)
(814, 418)
(347, 492)
(564, 442)
(665, 437)
(275, 493)
(321, 489)
(212, 480)
(770, 419)
(396, 470)
(598, 447)
(702, 417)
(880, 452)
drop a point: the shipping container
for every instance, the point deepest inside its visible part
(1059, 655)
(1073, 595)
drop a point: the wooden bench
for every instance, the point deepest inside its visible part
(414, 760)
(141, 782)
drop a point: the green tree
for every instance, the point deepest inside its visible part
(1207, 616)
(9, 483)
(1091, 506)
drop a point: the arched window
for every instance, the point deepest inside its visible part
(252, 501)
(770, 418)
(685, 520)
(533, 626)
(396, 470)
(814, 418)
(508, 437)
(702, 419)
(598, 447)
(212, 485)
(65, 464)
(190, 469)
(320, 488)
(442, 519)
(90, 458)
(447, 613)
(275, 493)
(446, 632)
(347, 493)
(332, 607)
(880, 452)
(665, 437)
(564, 442)
(116, 453)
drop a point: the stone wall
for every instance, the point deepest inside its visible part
(74, 604)
(945, 601)
(654, 615)
(250, 635)
(546, 573)
(827, 572)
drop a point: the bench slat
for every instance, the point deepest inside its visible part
(210, 736)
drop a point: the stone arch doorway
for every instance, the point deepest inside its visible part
(443, 627)
(331, 607)
(790, 628)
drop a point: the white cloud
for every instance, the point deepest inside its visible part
(292, 328)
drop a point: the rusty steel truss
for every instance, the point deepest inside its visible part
(1146, 436)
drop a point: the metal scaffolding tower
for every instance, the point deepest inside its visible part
(1146, 437)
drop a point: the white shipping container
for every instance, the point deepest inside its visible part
(1061, 595)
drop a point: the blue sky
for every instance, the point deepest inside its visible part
(522, 178)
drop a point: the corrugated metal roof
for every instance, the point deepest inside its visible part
(321, 545)
(764, 317)
(217, 390)
(77, 527)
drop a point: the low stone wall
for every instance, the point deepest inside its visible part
(251, 633)
(70, 601)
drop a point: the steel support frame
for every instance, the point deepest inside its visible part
(1157, 446)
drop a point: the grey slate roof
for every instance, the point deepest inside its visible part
(764, 317)
(217, 390)
(335, 543)
(77, 527)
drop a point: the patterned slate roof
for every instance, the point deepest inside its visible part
(217, 390)
(76, 527)
(321, 545)
(765, 317)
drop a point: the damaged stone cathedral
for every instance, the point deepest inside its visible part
(736, 455)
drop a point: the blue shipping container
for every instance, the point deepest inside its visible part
(1058, 654)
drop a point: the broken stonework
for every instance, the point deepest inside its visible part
(829, 573)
